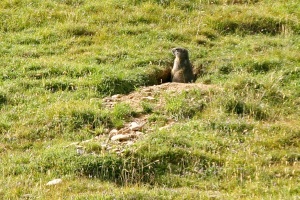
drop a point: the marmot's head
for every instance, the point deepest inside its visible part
(180, 53)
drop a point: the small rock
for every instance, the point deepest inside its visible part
(135, 126)
(129, 143)
(116, 96)
(54, 182)
(147, 90)
(149, 98)
(106, 130)
(113, 132)
(80, 151)
(115, 150)
(124, 131)
(138, 133)
(121, 137)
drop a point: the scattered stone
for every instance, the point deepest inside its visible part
(120, 151)
(135, 126)
(106, 130)
(148, 98)
(80, 150)
(121, 137)
(138, 133)
(124, 131)
(54, 182)
(116, 96)
(147, 90)
(129, 143)
(113, 132)
(115, 150)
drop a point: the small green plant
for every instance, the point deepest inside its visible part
(235, 135)
(147, 107)
(241, 108)
(121, 113)
(184, 105)
(115, 85)
(3, 99)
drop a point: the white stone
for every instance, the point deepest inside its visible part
(120, 137)
(135, 126)
(116, 96)
(149, 98)
(129, 143)
(80, 151)
(138, 133)
(54, 182)
(113, 132)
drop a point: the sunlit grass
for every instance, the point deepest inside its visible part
(239, 140)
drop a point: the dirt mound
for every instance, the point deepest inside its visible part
(153, 93)
(118, 140)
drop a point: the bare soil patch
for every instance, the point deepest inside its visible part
(116, 140)
(153, 93)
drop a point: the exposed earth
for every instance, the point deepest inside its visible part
(117, 140)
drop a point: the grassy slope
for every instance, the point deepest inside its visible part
(58, 56)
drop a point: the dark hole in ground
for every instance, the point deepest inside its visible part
(163, 76)
(117, 85)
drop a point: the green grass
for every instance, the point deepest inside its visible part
(237, 140)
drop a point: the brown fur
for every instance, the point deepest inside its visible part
(182, 71)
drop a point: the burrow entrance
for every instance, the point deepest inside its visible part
(110, 85)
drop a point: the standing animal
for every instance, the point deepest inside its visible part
(182, 71)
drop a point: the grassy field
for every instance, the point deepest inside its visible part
(238, 140)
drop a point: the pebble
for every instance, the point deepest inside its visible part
(149, 98)
(121, 137)
(129, 143)
(138, 133)
(135, 126)
(113, 132)
(54, 182)
(147, 90)
(116, 96)
(80, 151)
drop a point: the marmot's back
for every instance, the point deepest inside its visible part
(182, 70)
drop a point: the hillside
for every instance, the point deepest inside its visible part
(77, 75)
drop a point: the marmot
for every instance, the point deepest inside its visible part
(182, 70)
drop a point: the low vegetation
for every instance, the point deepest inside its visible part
(239, 139)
